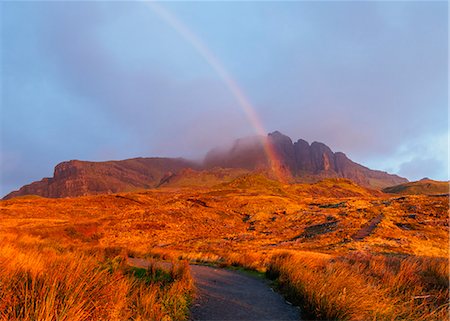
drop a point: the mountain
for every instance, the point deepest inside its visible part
(299, 162)
(423, 187)
(77, 178)
(304, 162)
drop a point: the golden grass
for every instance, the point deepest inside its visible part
(242, 223)
(38, 282)
(361, 286)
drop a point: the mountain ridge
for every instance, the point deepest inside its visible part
(301, 161)
(305, 162)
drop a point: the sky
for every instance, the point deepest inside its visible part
(101, 80)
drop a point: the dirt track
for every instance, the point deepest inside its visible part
(232, 295)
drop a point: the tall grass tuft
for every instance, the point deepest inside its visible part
(364, 287)
(48, 285)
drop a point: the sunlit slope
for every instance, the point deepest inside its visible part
(424, 186)
(250, 213)
(204, 178)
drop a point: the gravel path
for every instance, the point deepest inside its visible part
(233, 295)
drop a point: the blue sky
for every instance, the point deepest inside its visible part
(113, 80)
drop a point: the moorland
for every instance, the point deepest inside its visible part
(337, 249)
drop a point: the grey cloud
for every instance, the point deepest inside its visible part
(419, 168)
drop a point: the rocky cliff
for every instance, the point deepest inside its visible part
(304, 161)
(77, 178)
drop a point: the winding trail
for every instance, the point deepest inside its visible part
(233, 295)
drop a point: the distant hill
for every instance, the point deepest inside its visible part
(300, 161)
(424, 186)
(77, 178)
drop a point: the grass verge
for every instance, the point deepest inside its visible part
(44, 283)
(363, 286)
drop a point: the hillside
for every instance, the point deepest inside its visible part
(201, 178)
(250, 212)
(77, 178)
(422, 187)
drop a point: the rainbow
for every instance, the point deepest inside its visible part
(228, 80)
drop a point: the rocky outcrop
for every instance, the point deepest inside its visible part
(305, 162)
(77, 178)
(284, 149)
(302, 152)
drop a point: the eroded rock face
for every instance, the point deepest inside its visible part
(322, 157)
(284, 148)
(304, 161)
(78, 178)
(303, 158)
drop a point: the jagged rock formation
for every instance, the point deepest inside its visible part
(305, 162)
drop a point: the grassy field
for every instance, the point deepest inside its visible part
(342, 251)
(44, 281)
(361, 286)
